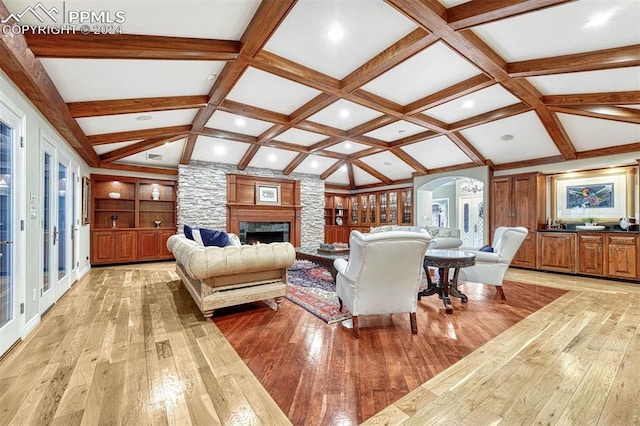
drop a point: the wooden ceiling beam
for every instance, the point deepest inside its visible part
(365, 153)
(293, 71)
(366, 140)
(288, 146)
(225, 134)
(295, 163)
(623, 115)
(476, 13)
(248, 156)
(490, 116)
(556, 131)
(428, 122)
(450, 93)
(412, 162)
(618, 57)
(352, 177)
(249, 111)
(138, 169)
(466, 147)
(332, 169)
(604, 98)
(107, 138)
(409, 45)
(418, 137)
(610, 150)
(322, 129)
(371, 125)
(373, 172)
(316, 104)
(131, 46)
(27, 72)
(187, 149)
(131, 106)
(529, 163)
(136, 148)
(324, 144)
(273, 132)
(375, 102)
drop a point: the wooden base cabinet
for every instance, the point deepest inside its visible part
(623, 256)
(114, 246)
(152, 244)
(557, 251)
(591, 254)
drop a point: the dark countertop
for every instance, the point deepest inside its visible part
(608, 229)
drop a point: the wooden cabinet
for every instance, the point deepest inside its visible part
(557, 251)
(336, 218)
(591, 254)
(131, 218)
(519, 200)
(622, 256)
(406, 200)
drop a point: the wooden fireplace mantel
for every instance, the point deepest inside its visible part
(243, 206)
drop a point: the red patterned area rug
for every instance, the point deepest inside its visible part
(312, 287)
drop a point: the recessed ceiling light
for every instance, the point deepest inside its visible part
(218, 150)
(468, 104)
(335, 33)
(387, 163)
(272, 158)
(600, 19)
(401, 132)
(347, 145)
(344, 113)
(240, 122)
(506, 137)
(143, 117)
(314, 164)
(343, 168)
(211, 77)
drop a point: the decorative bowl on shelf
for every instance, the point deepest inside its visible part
(115, 195)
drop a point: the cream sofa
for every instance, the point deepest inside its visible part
(441, 238)
(218, 277)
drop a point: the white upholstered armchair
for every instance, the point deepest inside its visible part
(490, 268)
(382, 275)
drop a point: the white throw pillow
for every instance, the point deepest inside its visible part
(197, 237)
(234, 240)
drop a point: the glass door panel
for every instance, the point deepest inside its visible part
(47, 295)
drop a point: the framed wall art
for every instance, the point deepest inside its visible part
(606, 195)
(86, 199)
(267, 193)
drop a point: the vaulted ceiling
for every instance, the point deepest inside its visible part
(359, 92)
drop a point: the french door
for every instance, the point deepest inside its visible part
(10, 326)
(471, 221)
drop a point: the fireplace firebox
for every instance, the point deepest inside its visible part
(264, 232)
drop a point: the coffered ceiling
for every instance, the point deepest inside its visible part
(359, 92)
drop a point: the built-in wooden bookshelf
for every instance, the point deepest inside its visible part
(131, 218)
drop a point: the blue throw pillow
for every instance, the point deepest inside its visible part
(211, 237)
(188, 232)
(486, 248)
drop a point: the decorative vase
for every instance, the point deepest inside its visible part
(155, 194)
(624, 224)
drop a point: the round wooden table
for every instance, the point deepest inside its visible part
(444, 260)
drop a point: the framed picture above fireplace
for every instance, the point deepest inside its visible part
(267, 193)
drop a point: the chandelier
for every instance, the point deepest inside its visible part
(472, 185)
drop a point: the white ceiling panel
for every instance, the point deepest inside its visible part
(170, 152)
(451, 3)
(614, 80)
(103, 79)
(564, 29)
(389, 165)
(397, 130)
(431, 70)
(275, 93)
(363, 178)
(305, 35)
(127, 122)
(344, 115)
(315, 165)
(216, 150)
(593, 133)
(272, 158)
(473, 104)
(103, 149)
(530, 139)
(347, 147)
(300, 137)
(437, 152)
(339, 177)
(238, 124)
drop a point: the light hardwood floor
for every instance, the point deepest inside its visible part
(124, 347)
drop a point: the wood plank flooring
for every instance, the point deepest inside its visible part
(127, 345)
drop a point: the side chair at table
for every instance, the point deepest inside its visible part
(382, 274)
